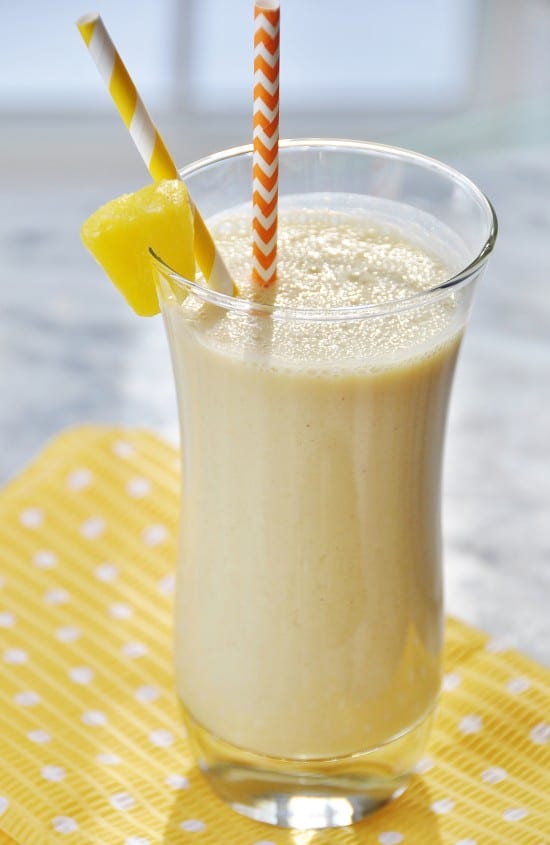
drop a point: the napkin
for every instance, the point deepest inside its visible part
(92, 747)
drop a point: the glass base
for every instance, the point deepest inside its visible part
(310, 793)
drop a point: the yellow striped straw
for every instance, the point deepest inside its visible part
(149, 143)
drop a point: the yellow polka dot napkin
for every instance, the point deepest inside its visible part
(92, 749)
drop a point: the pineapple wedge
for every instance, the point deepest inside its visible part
(120, 233)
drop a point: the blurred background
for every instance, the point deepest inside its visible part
(467, 81)
(445, 75)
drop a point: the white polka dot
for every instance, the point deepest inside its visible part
(138, 487)
(166, 584)
(451, 681)
(540, 734)
(119, 610)
(7, 619)
(123, 449)
(81, 674)
(175, 781)
(27, 698)
(154, 535)
(134, 650)
(466, 842)
(67, 634)
(390, 837)
(64, 824)
(444, 805)
(39, 736)
(397, 793)
(471, 724)
(4, 804)
(424, 765)
(56, 596)
(136, 840)
(31, 517)
(498, 644)
(494, 774)
(514, 814)
(161, 738)
(44, 559)
(53, 773)
(94, 718)
(192, 825)
(122, 801)
(146, 694)
(93, 527)
(106, 572)
(15, 656)
(517, 685)
(79, 479)
(107, 759)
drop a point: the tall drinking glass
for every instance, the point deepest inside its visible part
(308, 629)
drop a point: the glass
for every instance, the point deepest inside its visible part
(309, 620)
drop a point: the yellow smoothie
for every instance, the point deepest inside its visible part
(308, 603)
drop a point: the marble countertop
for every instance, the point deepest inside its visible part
(72, 352)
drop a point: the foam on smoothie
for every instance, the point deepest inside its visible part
(334, 259)
(329, 259)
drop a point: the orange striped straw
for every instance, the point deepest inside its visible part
(265, 189)
(146, 137)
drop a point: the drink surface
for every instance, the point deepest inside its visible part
(332, 259)
(329, 259)
(308, 606)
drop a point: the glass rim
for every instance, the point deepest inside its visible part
(346, 312)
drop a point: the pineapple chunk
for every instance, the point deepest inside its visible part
(120, 233)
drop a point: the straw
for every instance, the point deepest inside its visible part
(149, 143)
(266, 141)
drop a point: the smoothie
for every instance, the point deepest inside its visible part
(308, 606)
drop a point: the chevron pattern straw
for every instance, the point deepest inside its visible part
(149, 143)
(266, 141)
